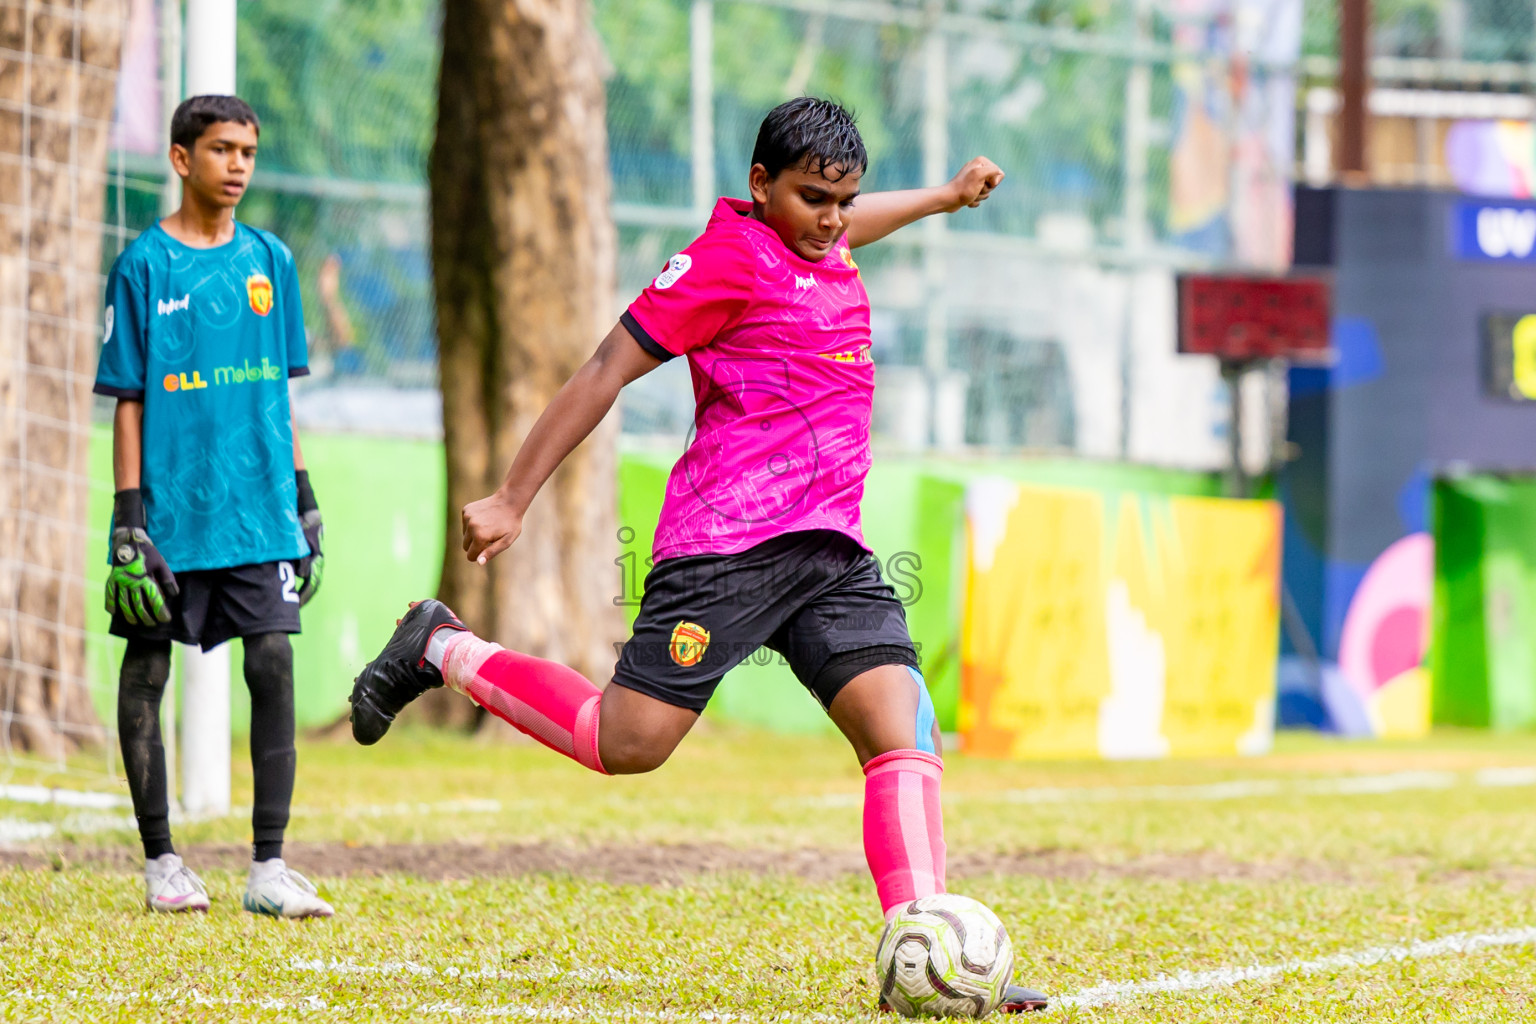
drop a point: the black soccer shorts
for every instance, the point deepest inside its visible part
(216, 605)
(815, 597)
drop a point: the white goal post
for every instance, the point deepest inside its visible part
(209, 45)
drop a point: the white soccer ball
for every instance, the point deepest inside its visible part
(944, 956)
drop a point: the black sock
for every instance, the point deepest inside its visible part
(269, 677)
(140, 686)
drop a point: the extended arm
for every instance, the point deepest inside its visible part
(298, 453)
(877, 214)
(493, 523)
(127, 444)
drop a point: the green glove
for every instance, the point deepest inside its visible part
(139, 580)
(311, 568)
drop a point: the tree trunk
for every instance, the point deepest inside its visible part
(55, 122)
(523, 249)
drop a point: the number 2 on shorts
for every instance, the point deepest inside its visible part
(289, 579)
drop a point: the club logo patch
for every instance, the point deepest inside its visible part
(689, 642)
(259, 290)
(676, 267)
(848, 260)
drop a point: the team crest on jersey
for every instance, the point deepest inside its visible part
(259, 290)
(689, 642)
(848, 259)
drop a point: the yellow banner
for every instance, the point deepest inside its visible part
(1117, 625)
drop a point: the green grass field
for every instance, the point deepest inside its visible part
(1329, 881)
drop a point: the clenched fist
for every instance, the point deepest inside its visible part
(974, 183)
(490, 526)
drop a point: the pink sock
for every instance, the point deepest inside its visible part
(904, 826)
(554, 704)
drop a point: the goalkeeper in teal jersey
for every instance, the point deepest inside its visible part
(215, 532)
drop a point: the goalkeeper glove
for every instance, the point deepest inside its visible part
(312, 566)
(139, 580)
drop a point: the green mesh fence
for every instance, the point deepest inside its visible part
(1123, 125)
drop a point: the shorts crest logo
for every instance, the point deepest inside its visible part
(689, 642)
(259, 289)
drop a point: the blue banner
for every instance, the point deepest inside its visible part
(1501, 231)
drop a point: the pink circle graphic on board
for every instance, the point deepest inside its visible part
(1385, 629)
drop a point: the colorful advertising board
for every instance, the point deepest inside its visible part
(1118, 626)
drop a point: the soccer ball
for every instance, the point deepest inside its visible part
(944, 956)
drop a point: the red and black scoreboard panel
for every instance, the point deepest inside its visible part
(1243, 317)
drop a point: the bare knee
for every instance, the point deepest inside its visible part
(633, 755)
(636, 733)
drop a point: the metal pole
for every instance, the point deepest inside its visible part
(701, 58)
(1138, 118)
(1237, 479)
(170, 92)
(1316, 146)
(170, 198)
(210, 39)
(935, 172)
(1354, 83)
(205, 680)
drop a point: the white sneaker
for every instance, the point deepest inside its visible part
(171, 887)
(276, 889)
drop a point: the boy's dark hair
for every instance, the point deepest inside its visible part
(818, 134)
(196, 113)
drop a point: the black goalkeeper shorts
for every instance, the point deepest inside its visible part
(216, 605)
(815, 597)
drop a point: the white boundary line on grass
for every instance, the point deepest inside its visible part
(1183, 982)
(94, 800)
(1224, 977)
(1098, 995)
(18, 830)
(23, 830)
(1237, 789)
(62, 797)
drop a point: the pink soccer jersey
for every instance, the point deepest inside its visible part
(782, 379)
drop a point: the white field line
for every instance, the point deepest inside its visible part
(62, 797)
(20, 830)
(14, 830)
(1099, 995)
(1506, 777)
(1237, 789)
(1224, 977)
(79, 798)
(461, 805)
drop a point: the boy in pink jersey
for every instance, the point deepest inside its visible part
(759, 542)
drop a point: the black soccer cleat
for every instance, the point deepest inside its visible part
(400, 673)
(1019, 999)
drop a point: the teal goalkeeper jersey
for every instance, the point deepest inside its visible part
(207, 339)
